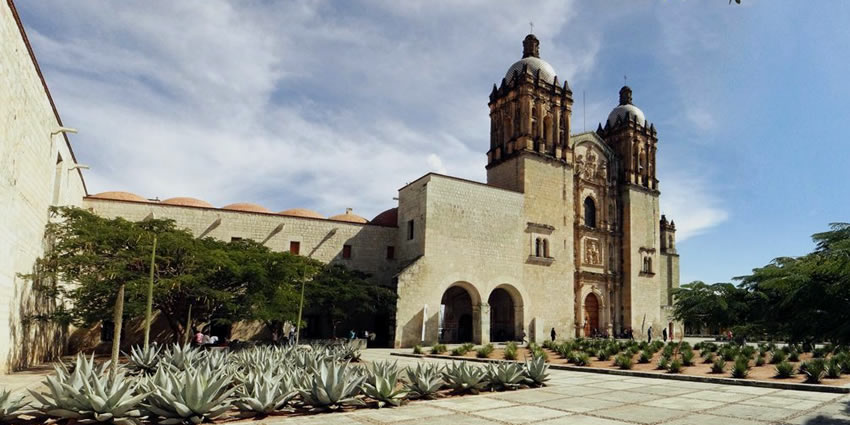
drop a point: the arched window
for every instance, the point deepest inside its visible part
(534, 134)
(589, 212)
(649, 264)
(546, 248)
(537, 247)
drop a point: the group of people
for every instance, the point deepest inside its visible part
(649, 334)
(368, 336)
(202, 339)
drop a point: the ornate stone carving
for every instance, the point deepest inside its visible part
(591, 252)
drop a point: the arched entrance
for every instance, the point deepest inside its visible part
(591, 314)
(503, 315)
(456, 316)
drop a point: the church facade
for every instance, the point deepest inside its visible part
(565, 233)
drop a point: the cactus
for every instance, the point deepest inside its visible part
(10, 407)
(536, 371)
(264, 393)
(144, 360)
(381, 384)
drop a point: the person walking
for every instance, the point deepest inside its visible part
(352, 335)
(553, 334)
(664, 334)
(649, 335)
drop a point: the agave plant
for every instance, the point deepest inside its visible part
(814, 369)
(11, 408)
(90, 395)
(331, 385)
(181, 357)
(424, 381)
(463, 378)
(193, 396)
(505, 375)
(536, 371)
(265, 393)
(144, 360)
(381, 383)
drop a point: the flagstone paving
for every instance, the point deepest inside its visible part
(578, 398)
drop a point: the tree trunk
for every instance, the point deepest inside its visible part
(118, 319)
(188, 329)
(149, 310)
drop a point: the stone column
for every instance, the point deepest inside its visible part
(481, 329)
(519, 322)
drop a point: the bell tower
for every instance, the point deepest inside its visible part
(529, 113)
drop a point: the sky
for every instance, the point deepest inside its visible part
(329, 105)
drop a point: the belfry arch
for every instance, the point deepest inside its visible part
(460, 314)
(506, 314)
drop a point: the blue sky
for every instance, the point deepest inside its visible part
(328, 105)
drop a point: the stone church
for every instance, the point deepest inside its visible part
(566, 233)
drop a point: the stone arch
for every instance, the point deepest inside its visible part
(506, 313)
(460, 313)
(547, 130)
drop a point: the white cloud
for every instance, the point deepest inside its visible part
(688, 200)
(436, 164)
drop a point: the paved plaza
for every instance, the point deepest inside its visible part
(580, 398)
(577, 398)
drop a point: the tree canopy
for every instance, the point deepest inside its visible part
(223, 282)
(801, 299)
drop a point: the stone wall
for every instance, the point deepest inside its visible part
(36, 171)
(642, 291)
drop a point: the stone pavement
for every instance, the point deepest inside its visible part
(577, 398)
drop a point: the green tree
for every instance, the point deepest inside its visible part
(717, 306)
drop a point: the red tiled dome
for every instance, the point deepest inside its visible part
(301, 212)
(120, 196)
(246, 206)
(387, 218)
(187, 202)
(349, 217)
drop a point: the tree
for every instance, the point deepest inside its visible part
(717, 306)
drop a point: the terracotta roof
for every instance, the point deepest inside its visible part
(246, 206)
(349, 217)
(120, 196)
(187, 202)
(387, 218)
(301, 212)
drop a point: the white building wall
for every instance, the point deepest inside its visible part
(30, 182)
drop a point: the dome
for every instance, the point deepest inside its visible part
(531, 60)
(547, 73)
(247, 207)
(187, 202)
(626, 108)
(621, 111)
(349, 217)
(120, 196)
(387, 218)
(301, 212)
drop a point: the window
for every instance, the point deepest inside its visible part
(410, 230)
(589, 212)
(346, 251)
(538, 247)
(390, 253)
(294, 247)
(647, 265)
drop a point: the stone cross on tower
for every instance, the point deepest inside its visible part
(531, 26)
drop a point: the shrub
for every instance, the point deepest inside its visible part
(843, 359)
(438, 349)
(814, 369)
(582, 359)
(759, 361)
(748, 351)
(719, 365)
(663, 362)
(777, 357)
(645, 357)
(819, 352)
(510, 351)
(675, 366)
(794, 356)
(741, 368)
(624, 361)
(784, 369)
(688, 357)
(833, 368)
(417, 349)
(602, 355)
(727, 353)
(708, 357)
(484, 351)
(462, 349)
